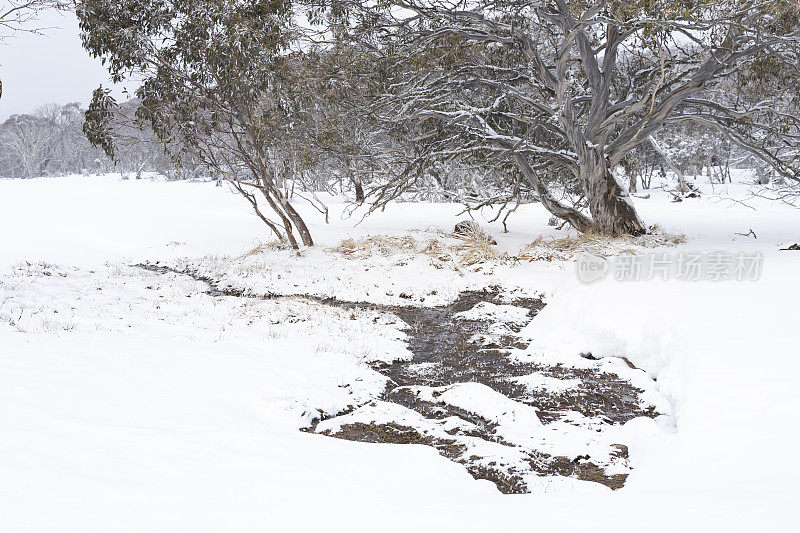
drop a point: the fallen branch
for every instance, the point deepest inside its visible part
(751, 232)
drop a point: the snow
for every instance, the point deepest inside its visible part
(725, 357)
(483, 400)
(147, 403)
(134, 401)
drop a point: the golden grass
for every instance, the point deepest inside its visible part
(466, 250)
(658, 237)
(476, 248)
(372, 245)
(546, 248)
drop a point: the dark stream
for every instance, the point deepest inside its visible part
(455, 350)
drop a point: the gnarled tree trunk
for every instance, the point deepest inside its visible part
(610, 205)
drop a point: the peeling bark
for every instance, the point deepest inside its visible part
(612, 209)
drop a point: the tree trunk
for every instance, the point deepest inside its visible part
(359, 191)
(299, 223)
(610, 204)
(356, 182)
(576, 219)
(287, 213)
(632, 182)
(277, 207)
(612, 209)
(253, 202)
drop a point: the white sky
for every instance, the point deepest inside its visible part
(49, 68)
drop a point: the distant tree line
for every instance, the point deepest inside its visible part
(48, 142)
(51, 142)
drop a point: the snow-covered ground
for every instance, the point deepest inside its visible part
(134, 401)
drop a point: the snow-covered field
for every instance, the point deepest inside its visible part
(133, 400)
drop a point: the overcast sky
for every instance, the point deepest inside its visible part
(49, 68)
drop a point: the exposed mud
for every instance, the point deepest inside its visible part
(459, 350)
(450, 348)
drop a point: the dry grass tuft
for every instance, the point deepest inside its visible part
(566, 248)
(545, 248)
(658, 237)
(384, 245)
(466, 250)
(436, 250)
(476, 248)
(264, 247)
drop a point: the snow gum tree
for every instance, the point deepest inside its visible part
(569, 88)
(216, 81)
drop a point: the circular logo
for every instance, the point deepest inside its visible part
(591, 268)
